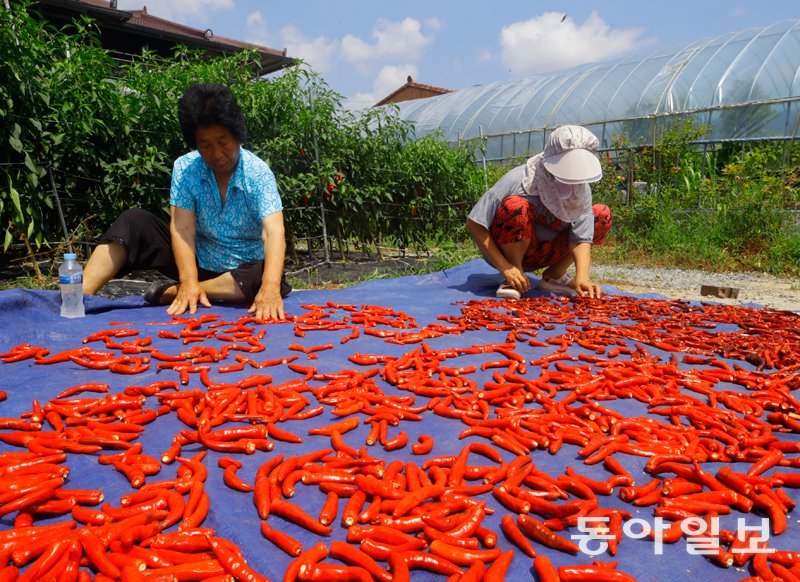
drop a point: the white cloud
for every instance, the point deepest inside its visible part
(318, 52)
(434, 24)
(255, 21)
(255, 28)
(392, 77)
(360, 101)
(485, 56)
(738, 11)
(391, 40)
(389, 79)
(549, 42)
(190, 11)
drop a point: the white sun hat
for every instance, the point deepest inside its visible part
(570, 155)
(560, 176)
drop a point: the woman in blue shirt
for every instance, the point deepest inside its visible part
(226, 238)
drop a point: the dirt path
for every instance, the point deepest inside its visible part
(754, 288)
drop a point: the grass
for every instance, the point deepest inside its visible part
(346, 273)
(746, 237)
(317, 278)
(29, 282)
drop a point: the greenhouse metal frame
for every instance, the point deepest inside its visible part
(744, 86)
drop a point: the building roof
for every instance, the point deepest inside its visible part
(412, 90)
(131, 31)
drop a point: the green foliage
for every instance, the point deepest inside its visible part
(110, 134)
(736, 215)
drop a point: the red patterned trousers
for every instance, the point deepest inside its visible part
(514, 221)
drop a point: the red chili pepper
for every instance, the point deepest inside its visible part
(199, 569)
(319, 348)
(539, 532)
(417, 560)
(230, 477)
(281, 539)
(96, 553)
(486, 536)
(496, 572)
(398, 442)
(66, 567)
(341, 427)
(510, 501)
(302, 565)
(352, 508)
(516, 536)
(594, 573)
(412, 500)
(47, 560)
(24, 352)
(768, 459)
(294, 513)
(544, 569)
(387, 535)
(307, 371)
(39, 494)
(470, 524)
(356, 557)
(381, 551)
(355, 334)
(776, 512)
(463, 556)
(431, 534)
(329, 509)
(233, 563)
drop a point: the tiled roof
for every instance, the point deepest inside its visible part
(431, 88)
(149, 25)
(98, 3)
(143, 19)
(411, 84)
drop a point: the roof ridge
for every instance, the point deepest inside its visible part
(148, 18)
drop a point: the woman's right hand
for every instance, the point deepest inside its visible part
(188, 296)
(517, 278)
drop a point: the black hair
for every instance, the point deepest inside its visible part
(205, 104)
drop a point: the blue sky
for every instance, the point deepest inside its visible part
(366, 49)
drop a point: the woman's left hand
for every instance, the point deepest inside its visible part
(188, 296)
(587, 288)
(268, 303)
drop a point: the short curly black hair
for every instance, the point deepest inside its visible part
(205, 104)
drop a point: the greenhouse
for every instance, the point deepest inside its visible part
(744, 85)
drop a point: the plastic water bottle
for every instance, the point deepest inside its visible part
(70, 277)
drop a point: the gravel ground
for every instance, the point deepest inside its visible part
(754, 288)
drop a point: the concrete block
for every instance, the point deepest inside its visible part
(722, 292)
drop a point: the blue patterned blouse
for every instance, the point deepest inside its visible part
(227, 235)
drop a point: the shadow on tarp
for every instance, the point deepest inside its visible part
(33, 317)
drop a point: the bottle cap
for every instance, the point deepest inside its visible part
(70, 256)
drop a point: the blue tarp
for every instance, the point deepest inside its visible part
(33, 317)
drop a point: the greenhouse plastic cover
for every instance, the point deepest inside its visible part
(745, 85)
(32, 317)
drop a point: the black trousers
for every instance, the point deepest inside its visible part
(148, 242)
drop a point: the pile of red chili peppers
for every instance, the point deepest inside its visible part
(714, 383)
